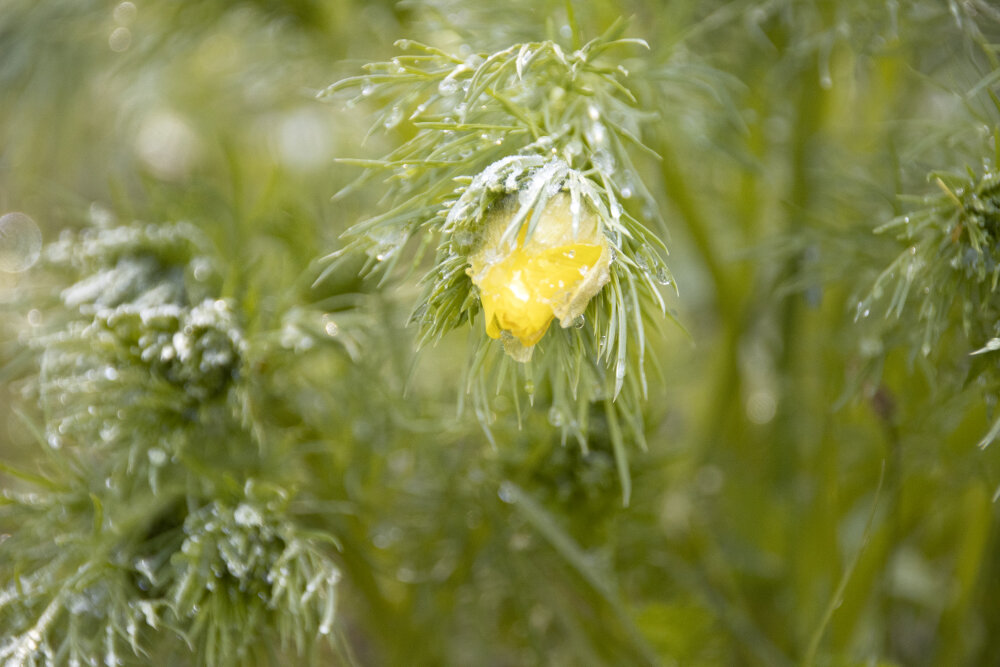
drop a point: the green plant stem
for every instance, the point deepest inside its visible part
(810, 655)
(696, 222)
(729, 303)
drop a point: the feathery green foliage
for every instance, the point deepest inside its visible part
(215, 561)
(218, 447)
(531, 120)
(948, 275)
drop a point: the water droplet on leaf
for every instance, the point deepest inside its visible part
(247, 515)
(393, 118)
(507, 492)
(555, 416)
(604, 161)
(448, 87)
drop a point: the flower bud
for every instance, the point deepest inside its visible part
(524, 284)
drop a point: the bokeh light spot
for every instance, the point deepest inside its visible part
(20, 242)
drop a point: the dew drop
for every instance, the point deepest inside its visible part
(247, 515)
(157, 456)
(604, 161)
(598, 135)
(393, 118)
(507, 493)
(662, 275)
(448, 87)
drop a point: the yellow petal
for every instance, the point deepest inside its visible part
(554, 274)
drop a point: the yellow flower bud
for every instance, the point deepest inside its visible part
(523, 285)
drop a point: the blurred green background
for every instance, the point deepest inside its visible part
(812, 493)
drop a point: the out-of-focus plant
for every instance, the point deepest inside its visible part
(945, 280)
(140, 368)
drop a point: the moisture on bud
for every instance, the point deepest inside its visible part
(554, 273)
